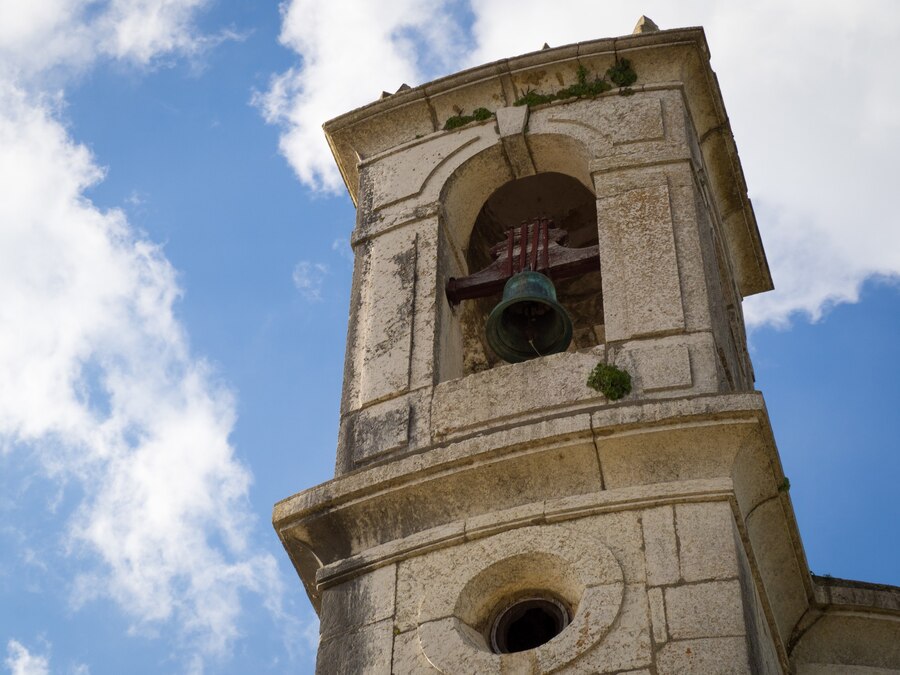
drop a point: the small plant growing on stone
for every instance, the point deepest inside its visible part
(532, 98)
(610, 381)
(785, 485)
(583, 88)
(622, 74)
(457, 121)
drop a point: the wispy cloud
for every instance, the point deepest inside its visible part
(20, 661)
(342, 248)
(812, 110)
(309, 277)
(98, 382)
(350, 52)
(97, 378)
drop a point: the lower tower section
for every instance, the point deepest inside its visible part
(563, 545)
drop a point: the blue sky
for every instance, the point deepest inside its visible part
(175, 273)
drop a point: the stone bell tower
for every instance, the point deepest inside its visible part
(493, 517)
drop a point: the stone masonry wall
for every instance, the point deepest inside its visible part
(662, 591)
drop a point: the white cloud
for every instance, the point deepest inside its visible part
(98, 380)
(342, 247)
(350, 52)
(98, 383)
(20, 661)
(809, 86)
(37, 38)
(309, 278)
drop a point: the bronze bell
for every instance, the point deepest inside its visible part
(528, 322)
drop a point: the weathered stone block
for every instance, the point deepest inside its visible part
(660, 546)
(665, 455)
(627, 646)
(367, 650)
(712, 609)
(642, 121)
(641, 287)
(511, 123)
(408, 655)
(513, 390)
(621, 532)
(380, 429)
(385, 320)
(706, 541)
(776, 557)
(661, 367)
(709, 656)
(658, 615)
(360, 601)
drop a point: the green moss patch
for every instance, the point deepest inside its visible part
(610, 381)
(621, 75)
(457, 121)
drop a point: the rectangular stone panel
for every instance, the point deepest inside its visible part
(707, 656)
(706, 541)
(641, 287)
(662, 367)
(537, 386)
(358, 602)
(385, 334)
(658, 615)
(642, 121)
(660, 546)
(367, 650)
(380, 429)
(712, 609)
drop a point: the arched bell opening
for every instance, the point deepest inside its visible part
(567, 205)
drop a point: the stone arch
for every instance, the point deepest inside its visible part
(478, 177)
(486, 182)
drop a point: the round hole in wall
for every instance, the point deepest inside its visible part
(528, 623)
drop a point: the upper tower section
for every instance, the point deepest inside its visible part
(624, 144)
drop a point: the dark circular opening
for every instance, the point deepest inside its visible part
(527, 624)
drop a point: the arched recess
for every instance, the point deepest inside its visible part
(480, 201)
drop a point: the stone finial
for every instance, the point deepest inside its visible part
(644, 25)
(546, 46)
(403, 87)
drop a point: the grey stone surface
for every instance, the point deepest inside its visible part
(513, 390)
(385, 331)
(711, 609)
(367, 650)
(660, 546)
(658, 615)
(870, 640)
(511, 124)
(380, 429)
(665, 453)
(706, 541)
(645, 25)
(707, 656)
(664, 367)
(627, 646)
(360, 601)
(831, 669)
(642, 294)
(408, 656)
(765, 654)
(779, 567)
(621, 532)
